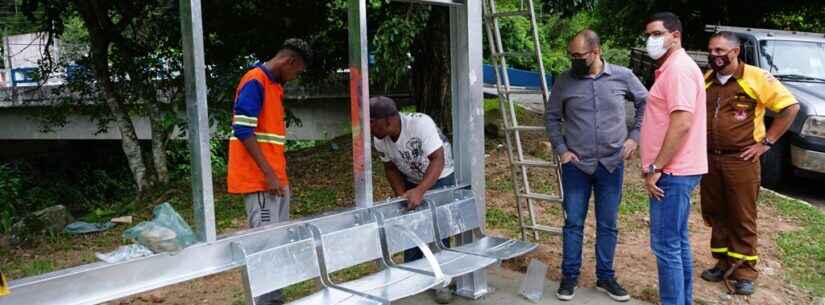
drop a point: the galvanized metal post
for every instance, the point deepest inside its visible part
(468, 120)
(195, 79)
(359, 103)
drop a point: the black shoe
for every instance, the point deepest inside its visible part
(743, 287)
(714, 274)
(613, 289)
(567, 290)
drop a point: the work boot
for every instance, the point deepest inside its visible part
(567, 290)
(613, 290)
(443, 295)
(743, 287)
(714, 274)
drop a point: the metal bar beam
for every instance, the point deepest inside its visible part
(359, 103)
(101, 282)
(203, 200)
(468, 120)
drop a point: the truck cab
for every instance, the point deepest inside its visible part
(797, 59)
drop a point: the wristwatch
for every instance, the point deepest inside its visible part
(653, 169)
(767, 142)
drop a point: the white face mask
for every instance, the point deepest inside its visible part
(656, 47)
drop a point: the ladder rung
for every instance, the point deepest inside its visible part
(514, 53)
(526, 128)
(536, 163)
(544, 228)
(510, 14)
(524, 91)
(538, 196)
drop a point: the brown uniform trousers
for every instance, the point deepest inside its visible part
(736, 113)
(728, 198)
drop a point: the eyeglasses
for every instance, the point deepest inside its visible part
(656, 33)
(578, 55)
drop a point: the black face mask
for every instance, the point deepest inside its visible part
(580, 66)
(718, 62)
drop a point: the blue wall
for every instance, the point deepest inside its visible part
(520, 78)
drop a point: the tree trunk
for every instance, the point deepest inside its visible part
(431, 69)
(159, 137)
(129, 140)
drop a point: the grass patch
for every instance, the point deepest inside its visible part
(499, 219)
(313, 201)
(493, 104)
(297, 291)
(803, 251)
(634, 200)
(37, 266)
(501, 185)
(229, 210)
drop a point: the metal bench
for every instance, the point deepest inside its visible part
(340, 249)
(292, 260)
(461, 215)
(319, 247)
(396, 224)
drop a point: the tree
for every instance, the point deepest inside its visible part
(133, 63)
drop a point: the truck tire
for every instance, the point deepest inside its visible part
(775, 165)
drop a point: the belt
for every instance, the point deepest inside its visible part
(723, 151)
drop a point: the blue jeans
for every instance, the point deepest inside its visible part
(577, 186)
(669, 239)
(414, 253)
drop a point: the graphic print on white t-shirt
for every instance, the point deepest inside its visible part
(418, 139)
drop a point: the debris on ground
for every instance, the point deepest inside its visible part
(122, 219)
(82, 227)
(124, 253)
(166, 232)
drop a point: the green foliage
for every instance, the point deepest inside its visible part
(180, 158)
(393, 39)
(11, 187)
(86, 188)
(555, 30)
(805, 20)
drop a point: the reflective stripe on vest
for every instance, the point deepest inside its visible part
(270, 138)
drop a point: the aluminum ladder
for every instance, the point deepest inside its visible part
(519, 164)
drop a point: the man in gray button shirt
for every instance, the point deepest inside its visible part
(588, 103)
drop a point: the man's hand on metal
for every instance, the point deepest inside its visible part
(629, 148)
(568, 156)
(754, 151)
(272, 185)
(414, 197)
(652, 189)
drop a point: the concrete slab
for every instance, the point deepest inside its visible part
(506, 284)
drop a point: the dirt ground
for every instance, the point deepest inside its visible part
(634, 263)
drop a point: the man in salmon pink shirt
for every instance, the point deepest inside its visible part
(674, 154)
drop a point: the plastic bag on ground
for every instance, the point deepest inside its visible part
(124, 253)
(82, 227)
(167, 232)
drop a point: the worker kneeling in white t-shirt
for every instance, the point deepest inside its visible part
(416, 155)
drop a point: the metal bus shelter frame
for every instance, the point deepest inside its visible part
(101, 282)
